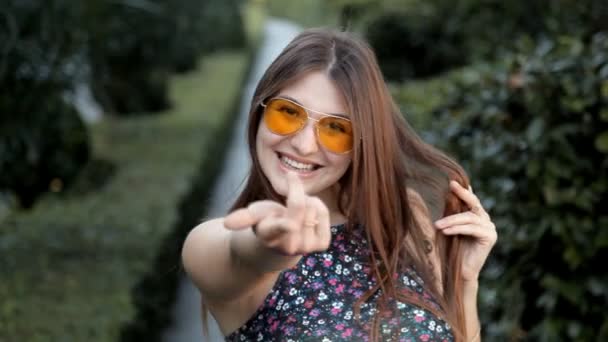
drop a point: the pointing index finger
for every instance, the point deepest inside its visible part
(247, 217)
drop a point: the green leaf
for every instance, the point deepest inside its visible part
(601, 142)
(535, 129)
(604, 112)
(605, 86)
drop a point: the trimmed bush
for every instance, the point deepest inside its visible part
(41, 150)
(414, 46)
(133, 48)
(418, 39)
(81, 267)
(43, 142)
(533, 133)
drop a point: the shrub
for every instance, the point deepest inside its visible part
(533, 134)
(133, 48)
(127, 49)
(415, 39)
(42, 139)
(412, 46)
(41, 149)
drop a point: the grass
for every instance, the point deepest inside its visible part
(70, 263)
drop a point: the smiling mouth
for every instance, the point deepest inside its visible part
(296, 165)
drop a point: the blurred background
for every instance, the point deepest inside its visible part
(115, 116)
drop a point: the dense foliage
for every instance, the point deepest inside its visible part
(415, 39)
(134, 48)
(533, 133)
(42, 138)
(409, 46)
(125, 50)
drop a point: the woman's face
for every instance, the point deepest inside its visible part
(300, 152)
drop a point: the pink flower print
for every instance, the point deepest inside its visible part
(356, 283)
(340, 326)
(272, 301)
(425, 337)
(333, 281)
(327, 262)
(347, 333)
(335, 311)
(340, 288)
(291, 277)
(310, 262)
(274, 326)
(314, 312)
(308, 304)
(419, 318)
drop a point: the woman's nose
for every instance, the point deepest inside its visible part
(305, 141)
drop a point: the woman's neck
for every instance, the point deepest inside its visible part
(330, 198)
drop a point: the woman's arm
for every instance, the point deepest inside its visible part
(476, 224)
(224, 264)
(234, 266)
(473, 333)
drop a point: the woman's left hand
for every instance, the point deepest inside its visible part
(475, 223)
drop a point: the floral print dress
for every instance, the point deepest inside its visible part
(314, 301)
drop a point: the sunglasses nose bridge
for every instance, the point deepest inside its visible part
(305, 141)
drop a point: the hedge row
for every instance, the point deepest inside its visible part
(70, 265)
(532, 131)
(418, 39)
(125, 50)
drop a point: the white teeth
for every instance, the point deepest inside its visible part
(296, 165)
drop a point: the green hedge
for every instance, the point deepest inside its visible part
(40, 149)
(43, 142)
(415, 46)
(70, 264)
(533, 133)
(133, 48)
(127, 49)
(417, 39)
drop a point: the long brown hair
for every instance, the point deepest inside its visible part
(388, 159)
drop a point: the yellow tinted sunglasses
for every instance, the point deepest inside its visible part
(286, 117)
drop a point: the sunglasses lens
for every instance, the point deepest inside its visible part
(283, 117)
(336, 134)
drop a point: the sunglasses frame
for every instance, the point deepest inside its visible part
(308, 117)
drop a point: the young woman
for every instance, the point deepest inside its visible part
(350, 227)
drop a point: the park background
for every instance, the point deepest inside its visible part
(115, 116)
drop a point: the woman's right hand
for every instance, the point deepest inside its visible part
(299, 227)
